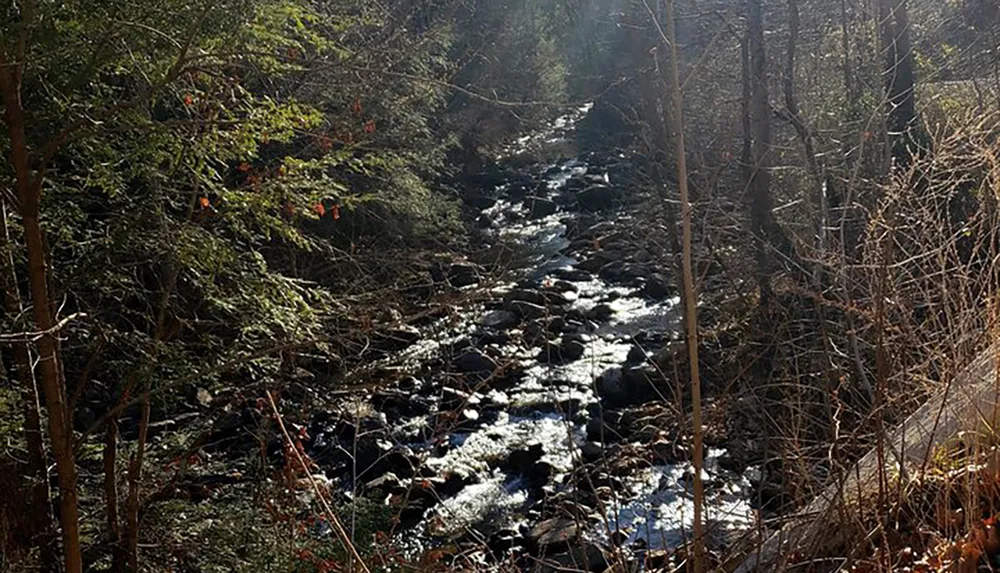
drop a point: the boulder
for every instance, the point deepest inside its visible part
(526, 295)
(573, 275)
(539, 207)
(569, 349)
(519, 461)
(525, 309)
(479, 201)
(601, 312)
(554, 535)
(474, 362)
(599, 198)
(499, 319)
(464, 274)
(658, 287)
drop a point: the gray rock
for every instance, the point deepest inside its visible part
(574, 275)
(599, 198)
(551, 534)
(539, 207)
(464, 274)
(525, 309)
(658, 287)
(499, 319)
(601, 312)
(475, 361)
(526, 295)
(479, 201)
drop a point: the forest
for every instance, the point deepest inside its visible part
(620, 286)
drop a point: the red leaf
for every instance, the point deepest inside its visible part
(320, 209)
(203, 201)
(370, 126)
(244, 167)
(188, 100)
(336, 212)
(356, 106)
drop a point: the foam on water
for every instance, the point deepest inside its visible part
(662, 512)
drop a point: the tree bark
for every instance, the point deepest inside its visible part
(41, 518)
(690, 299)
(901, 115)
(111, 496)
(60, 429)
(764, 227)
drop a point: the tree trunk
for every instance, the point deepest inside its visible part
(170, 273)
(41, 518)
(763, 225)
(60, 429)
(111, 496)
(690, 299)
(901, 115)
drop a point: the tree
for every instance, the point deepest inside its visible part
(902, 123)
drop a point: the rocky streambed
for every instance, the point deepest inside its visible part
(540, 427)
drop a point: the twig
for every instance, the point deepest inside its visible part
(337, 526)
(22, 337)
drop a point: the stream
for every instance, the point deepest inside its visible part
(535, 427)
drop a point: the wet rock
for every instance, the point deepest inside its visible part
(388, 484)
(604, 429)
(574, 275)
(668, 452)
(450, 484)
(599, 230)
(539, 207)
(453, 398)
(501, 542)
(555, 532)
(630, 387)
(560, 298)
(494, 337)
(526, 309)
(595, 263)
(475, 362)
(464, 274)
(538, 475)
(591, 452)
(562, 286)
(519, 190)
(557, 325)
(636, 355)
(520, 461)
(599, 198)
(398, 337)
(399, 404)
(658, 287)
(409, 384)
(624, 272)
(601, 312)
(479, 201)
(526, 295)
(567, 350)
(499, 319)
(575, 184)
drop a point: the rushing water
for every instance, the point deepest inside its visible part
(549, 405)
